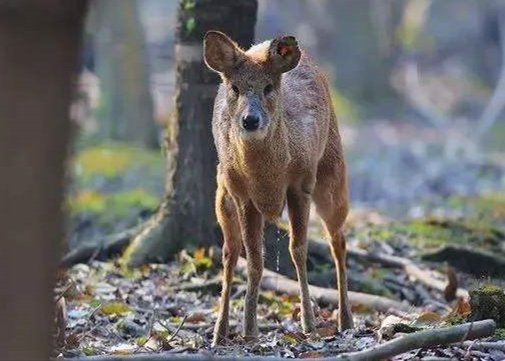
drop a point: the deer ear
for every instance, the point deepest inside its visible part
(284, 53)
(221, 54)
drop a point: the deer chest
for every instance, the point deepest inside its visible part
(266, 191)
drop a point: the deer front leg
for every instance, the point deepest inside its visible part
(251, 224)
(228, 221)
(299, 209)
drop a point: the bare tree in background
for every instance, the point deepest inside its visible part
(186, 217)
(42, 40)
(417, 95)
(126, 112)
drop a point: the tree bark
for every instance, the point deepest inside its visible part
(186, 217)
(126, 112)
(39, 42)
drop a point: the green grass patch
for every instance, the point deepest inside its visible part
(115, 308)
(112, 205)
(88, 201)
(488, 207)
(112, 158)
(344, 107)
(432, 233)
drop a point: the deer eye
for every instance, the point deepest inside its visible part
(268, 89)
(235, 89)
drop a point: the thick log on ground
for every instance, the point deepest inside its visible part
(421, 339)
(275, 282)
(426, 277)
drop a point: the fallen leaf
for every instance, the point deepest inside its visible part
(326, 331)
(295, 315)
(196, 318)
(115, 308)
(90, 351)
(72, 341)
(310, 354)
(462, 307)
(293, 337)
(359, 308)
(326, 314)
(427, 319)
(452, 285)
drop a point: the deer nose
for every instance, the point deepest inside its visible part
(251, 122)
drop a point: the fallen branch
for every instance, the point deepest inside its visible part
(177, 330)
(207, 325)
(275, 282)
(499, 345)
(413, 341)
(426, 277)
(423, 339)
(104, 248)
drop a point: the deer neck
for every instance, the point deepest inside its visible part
(264, 156)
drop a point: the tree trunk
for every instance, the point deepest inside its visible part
(126, 112)
(39, 42)
(186, 217)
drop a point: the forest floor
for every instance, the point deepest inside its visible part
(452, 234)
(110, 309)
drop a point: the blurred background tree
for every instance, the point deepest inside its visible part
(126, 107)
(186, 218)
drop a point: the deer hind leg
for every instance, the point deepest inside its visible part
(330, 197)
(228, 221)
(299, 208)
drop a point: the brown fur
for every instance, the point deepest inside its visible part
(294, 157)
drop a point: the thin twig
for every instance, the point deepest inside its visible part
(65, 290)
(172, 336)
(86, 334)
(151, 326)
(94, 311)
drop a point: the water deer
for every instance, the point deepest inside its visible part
(278, 142)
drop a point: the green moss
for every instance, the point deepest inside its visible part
(472, 245)
(454, 319)
(490, 288)
(189, 5)
(88, 201)
(500, 333)
(375, 288)
(115, 308)
(488, 301)
(433, 233)
(190, 24)
(112, 206)
(120, 203)
(344, 107)
(90, 351)
(489, 208)
(110, 159)
(283, 305)
(141, 341)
